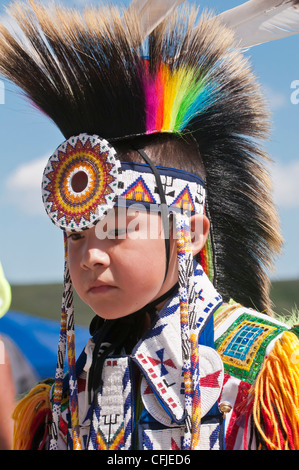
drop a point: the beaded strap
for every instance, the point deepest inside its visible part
(189, 334)
(67, 337)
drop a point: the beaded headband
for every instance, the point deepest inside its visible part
(84, 179)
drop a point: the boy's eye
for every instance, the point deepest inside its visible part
(124, 232)
(75, 236)
(118, 232)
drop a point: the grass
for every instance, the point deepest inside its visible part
(285, 298)
(45, 301)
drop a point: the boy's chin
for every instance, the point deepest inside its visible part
(112, 315)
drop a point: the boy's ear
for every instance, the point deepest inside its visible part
(200, 226)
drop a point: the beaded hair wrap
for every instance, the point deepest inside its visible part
(188, 334)
(66, 339)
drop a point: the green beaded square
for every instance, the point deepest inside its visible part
(242, 347)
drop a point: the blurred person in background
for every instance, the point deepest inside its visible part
(7, 387)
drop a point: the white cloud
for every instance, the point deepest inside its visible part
(23, 187)
(276, 99)
(286, 184)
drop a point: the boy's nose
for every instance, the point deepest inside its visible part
(95, 254)
(95, 258)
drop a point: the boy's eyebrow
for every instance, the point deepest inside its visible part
(128, 214)
(133, 215)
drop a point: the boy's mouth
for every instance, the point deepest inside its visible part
(100, 288)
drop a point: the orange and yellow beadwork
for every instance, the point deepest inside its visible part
(80, 181)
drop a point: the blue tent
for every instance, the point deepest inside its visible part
(37, 338)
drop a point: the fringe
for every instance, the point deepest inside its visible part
(275, 406)
(32, 416)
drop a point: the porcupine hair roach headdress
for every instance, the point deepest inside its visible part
(93, 73)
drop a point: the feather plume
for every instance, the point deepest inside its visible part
(256, 22)
(151, 13)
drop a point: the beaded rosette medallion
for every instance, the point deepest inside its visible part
(80, 182)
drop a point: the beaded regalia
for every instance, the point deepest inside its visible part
(104, 84)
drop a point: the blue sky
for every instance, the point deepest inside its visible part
(31, 248)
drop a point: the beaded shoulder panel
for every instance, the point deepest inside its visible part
(243, 337)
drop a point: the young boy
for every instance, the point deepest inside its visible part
(165, 206)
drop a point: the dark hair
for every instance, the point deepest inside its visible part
(167, 150)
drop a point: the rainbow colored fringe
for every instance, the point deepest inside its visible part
(174, 97)
(206, 259)
(275, 405)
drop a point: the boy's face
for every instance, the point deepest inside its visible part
(118, 266)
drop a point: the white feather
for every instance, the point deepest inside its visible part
(152, 12)
(259, 21)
